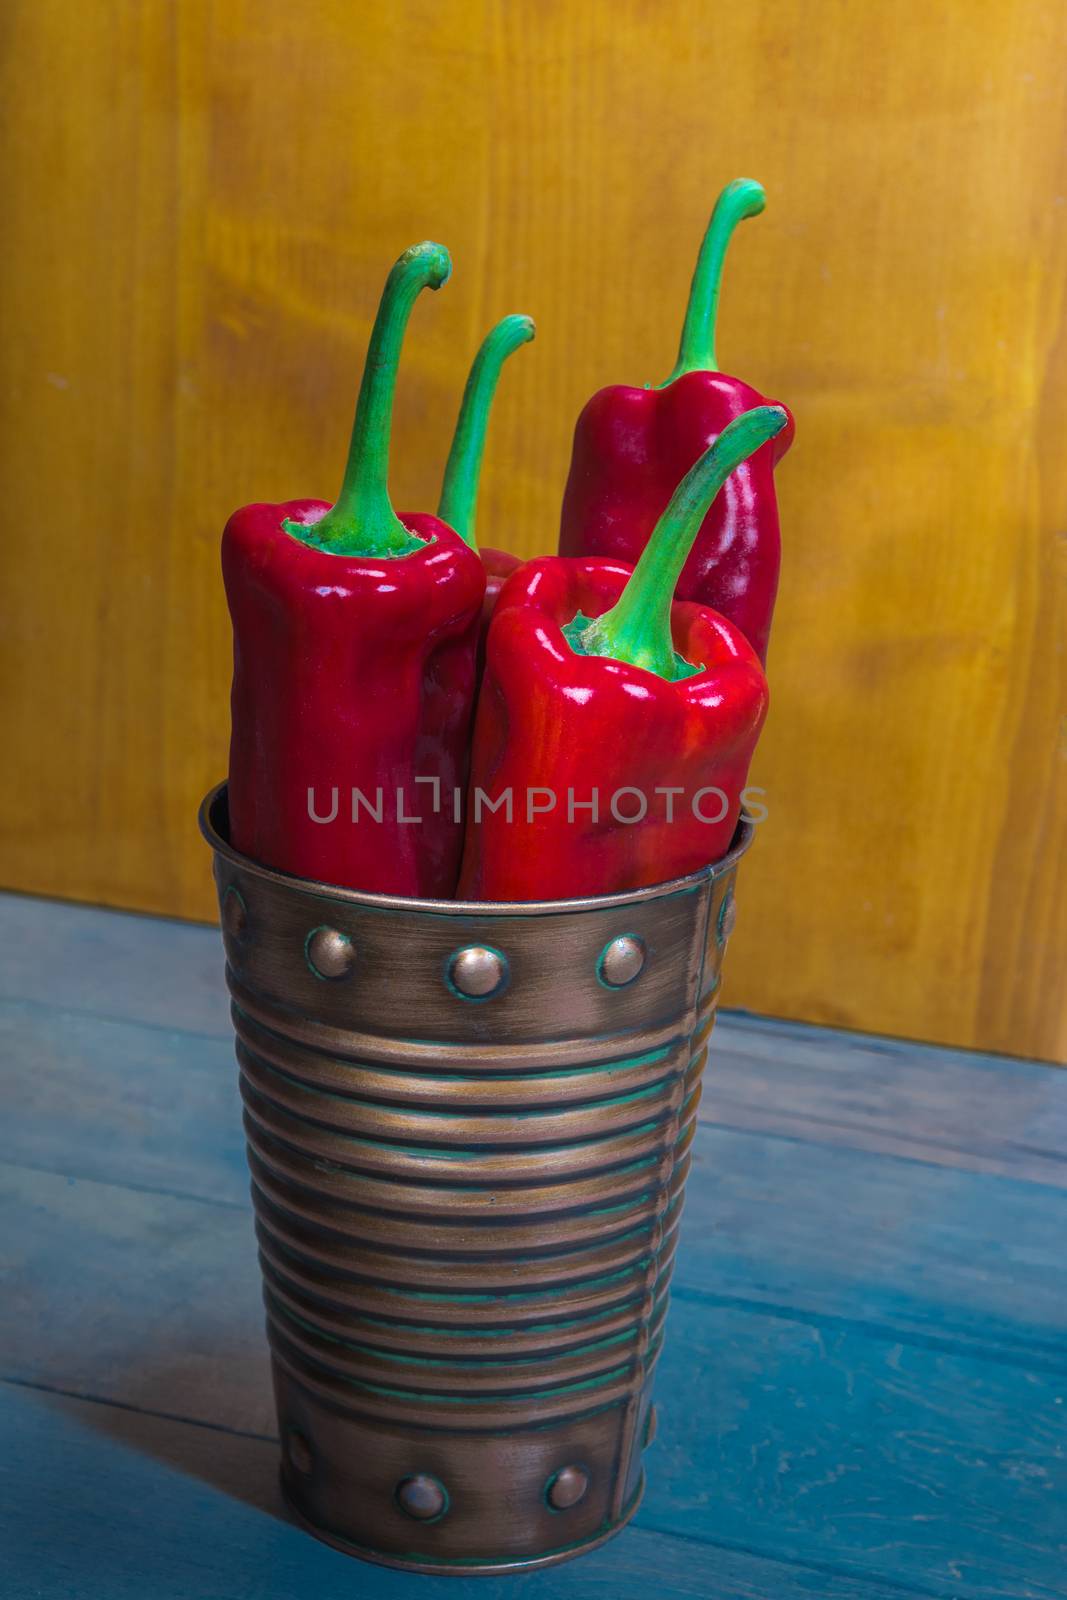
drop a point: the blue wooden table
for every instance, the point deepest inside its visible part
(864, 1390)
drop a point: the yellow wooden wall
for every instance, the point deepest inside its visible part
(200, 203)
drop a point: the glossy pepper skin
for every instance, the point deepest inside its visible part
(355, 634)
(499, 565)
(633, 445)
(349, 671)
(595, 681)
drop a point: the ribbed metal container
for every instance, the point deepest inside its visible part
(469, 1129)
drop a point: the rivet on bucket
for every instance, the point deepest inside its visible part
(330, 954)
(478, 972)
(234, 913)
(422, 1497)
(299, 1451)
(566, 1488)
(621, 960)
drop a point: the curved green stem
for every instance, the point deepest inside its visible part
(696, 353)
(637, 629)
(459, 488)
(363, 521)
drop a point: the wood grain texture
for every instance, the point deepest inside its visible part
(198, 218)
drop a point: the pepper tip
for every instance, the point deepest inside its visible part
(436, 259)
(748, 195)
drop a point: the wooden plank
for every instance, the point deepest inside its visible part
(839, 1445)
(908, 1464)
(133, 1296)
(113, 964)
(188, 298)
(954, 1107)
(145, 1106)
(923, 1252)
(148, 1507)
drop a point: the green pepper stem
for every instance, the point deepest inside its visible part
(637, 629)
(696, 353)
(363, 521)
(459, 488)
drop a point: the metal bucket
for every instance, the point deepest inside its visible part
(468, 1129)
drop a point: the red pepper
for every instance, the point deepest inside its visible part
(600, 693)
(499, 565)
(631, 446)
(459, 490)
(355, 633)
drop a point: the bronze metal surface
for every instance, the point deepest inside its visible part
(468, 1129)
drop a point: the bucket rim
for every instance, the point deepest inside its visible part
(214, 825)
